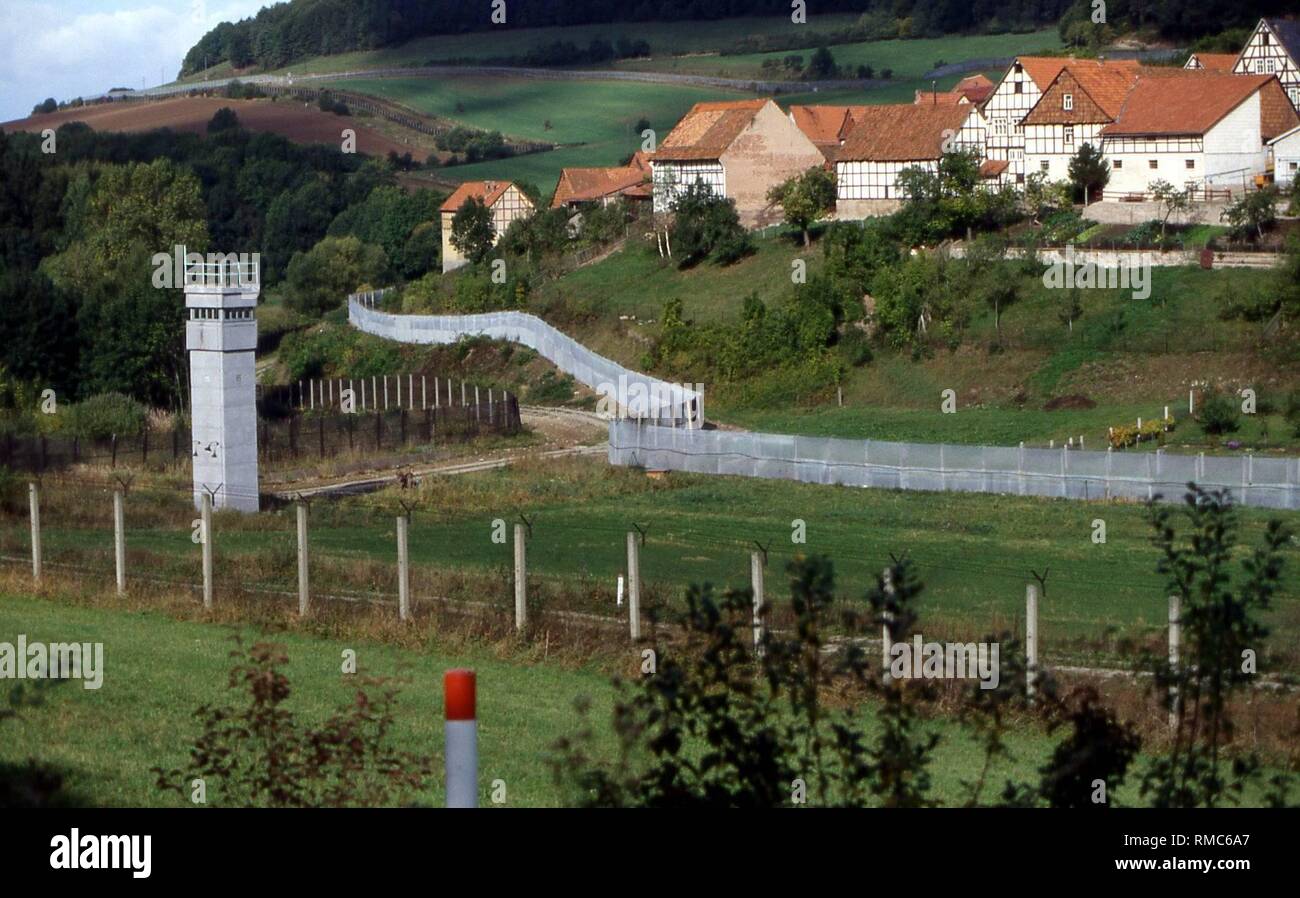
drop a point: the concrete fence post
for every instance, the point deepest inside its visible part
(1031, 639)
(205, 534)
(403, 568)
(634, 585)
(119, 538)
(521, 579)
(304, 594)
(34, 502)
(1175, 640)
(756, 581)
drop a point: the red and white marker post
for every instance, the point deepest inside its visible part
(461, 738)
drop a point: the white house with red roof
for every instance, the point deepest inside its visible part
(1017, 93)
(505, 201)
(1200, 130)
(889, 139)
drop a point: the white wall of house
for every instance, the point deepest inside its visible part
(672, 179)
(1229, 155)
(874, 180)
(1234, 151)
(1015, 95)
(1286, 158)
(1049, 148)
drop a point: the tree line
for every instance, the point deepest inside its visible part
(79, 228)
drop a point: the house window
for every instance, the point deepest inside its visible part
(1117, 164)
(1020, 179)
(1069, 135)
(1293, 166)
(1043, 166)
(1153, 163)
(1020, 87)
(1294, 94)
(1263, 38)
(1191, 163)
(1269, 66)
(1067, 102)
(1259, 66)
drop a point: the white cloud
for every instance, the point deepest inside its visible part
(48, 50)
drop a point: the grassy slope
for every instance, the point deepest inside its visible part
(909, 59)
(594, 120)
(106, 741)
(665, 38)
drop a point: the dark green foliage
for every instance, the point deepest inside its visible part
(471, 230)
(950, 201)
(1221, 627)
(258, 753)
(390, 217)
(101, 416)
(706, 226)
(1089, 173)
(223, 120)
(1219, 414)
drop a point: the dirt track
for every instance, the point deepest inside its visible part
(289, 118)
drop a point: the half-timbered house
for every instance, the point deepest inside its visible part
(1274, 49)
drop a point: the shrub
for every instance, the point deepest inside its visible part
(1219, 414)
(105, 414)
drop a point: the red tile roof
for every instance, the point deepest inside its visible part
(1044, 69)
(903, 132)
(1183, 102)
(1216, 62)
(578, 185)
(1097, 90)
(708, 129)
(487, 192)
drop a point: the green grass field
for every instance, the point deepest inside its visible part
(974, 552)
(158, 670)
(908, 59)
(594, 121)
(665, 39)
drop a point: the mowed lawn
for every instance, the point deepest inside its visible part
(974, 553)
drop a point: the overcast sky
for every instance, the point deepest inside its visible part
(70, 48)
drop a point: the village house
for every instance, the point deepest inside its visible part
(1274, 49)
(1286, 157)
(891, 138)
(1195, 129)
(971, 89)
(503, 199)
(1017, 93)
(740, 149)
(590, 186)
(1084, 97)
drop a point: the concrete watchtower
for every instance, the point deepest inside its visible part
(221, 336)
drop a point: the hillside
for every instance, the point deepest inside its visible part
(300, 122)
